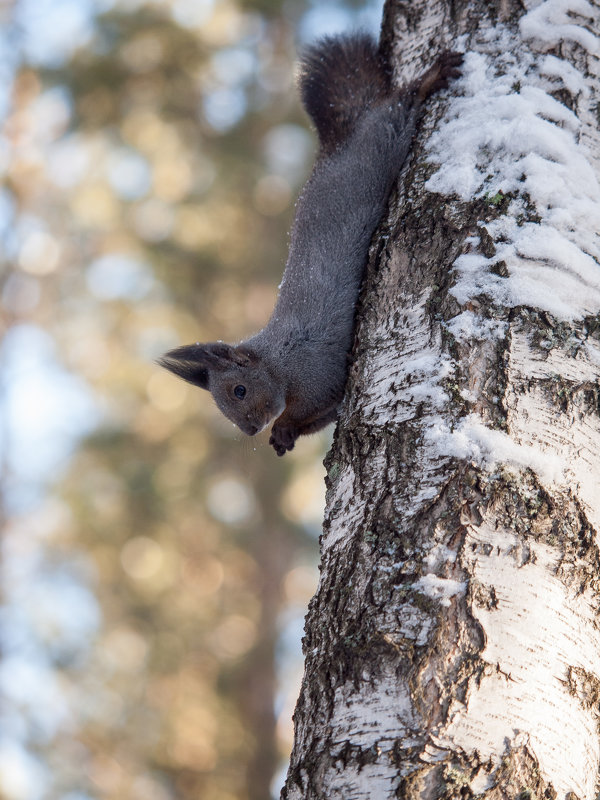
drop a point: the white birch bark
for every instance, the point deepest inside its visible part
(453, 645)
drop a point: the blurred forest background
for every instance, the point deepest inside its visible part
(156, 564)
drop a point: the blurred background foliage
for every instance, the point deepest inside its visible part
(156, 564)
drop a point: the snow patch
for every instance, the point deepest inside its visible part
(552, 21)
(472, 440)
(438, 555)
(441, 589)
(468, 326)
(507, 136)
(571, 77)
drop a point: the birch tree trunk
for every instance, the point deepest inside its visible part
(453, 645)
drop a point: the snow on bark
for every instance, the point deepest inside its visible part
(452, 647)
(506, 137)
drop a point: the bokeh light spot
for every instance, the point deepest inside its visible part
(142, 557)
(230, 500)
(234, 637)
(115, 276)
(39, 254)
(223, 108)
(153, 220)
(128, 174)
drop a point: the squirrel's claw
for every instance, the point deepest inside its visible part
(282, 439)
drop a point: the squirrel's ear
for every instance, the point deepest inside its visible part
(192, 362)
(186, 363)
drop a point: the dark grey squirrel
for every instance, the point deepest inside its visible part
(293, 372)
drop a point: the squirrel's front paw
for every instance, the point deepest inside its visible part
(282, 439)
(448, 66)
(437, 77)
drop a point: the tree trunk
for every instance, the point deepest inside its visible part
(453, 646)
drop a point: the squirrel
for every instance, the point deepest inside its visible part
(293, 372)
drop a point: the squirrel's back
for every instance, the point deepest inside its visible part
(340, 78)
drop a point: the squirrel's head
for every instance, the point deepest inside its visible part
(236, 377)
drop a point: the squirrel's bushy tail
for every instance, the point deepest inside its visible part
(340, 78)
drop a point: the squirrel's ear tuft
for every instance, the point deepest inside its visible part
(193, 362)
(184, 365)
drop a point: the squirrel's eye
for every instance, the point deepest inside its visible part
(240, 391)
